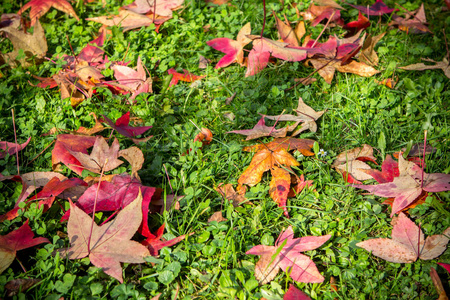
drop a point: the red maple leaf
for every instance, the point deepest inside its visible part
(154, 242)
(186, 76)
(67, 144)
(286, 255)
(122, 127)
(14, 241)
(234, 49)
(116, 195)
(355, 26)
(11, 148)
(410, 185)
(377, 9)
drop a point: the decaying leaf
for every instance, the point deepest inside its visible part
(407, 243)
(351, 164)
(368, 54)
(377, 9)
(286, 255)
(305, 114)
(279, 187)
(289, 35)
(260, 130)
(32, 45)
(217, 216)
(20, 285)
(413, 23)
(304, 146)
(443, 65)
(227, 191)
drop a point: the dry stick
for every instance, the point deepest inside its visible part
(326, 25)
(95, 207)
(71, 49)
(168, 178)
(446, 45)
(408, 12)
(15, 139)
(40, 153)
(264, 21)
(276, 122)
(306, 78)
(423, 156)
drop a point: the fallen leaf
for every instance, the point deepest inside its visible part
(327, 67)
(389, 170)
(186, 76)
(286, 255)
(122, 126)
(135, 157)
(368, 54)
(317, 14)
(30, 182)
(443, 65)
(412, 23)
(65, 145)
(16, 240)
(20, 285)
(217, 217)
(129, 20)
(438, 284)
(388, 82)
(102, 158)
(377, 9)
(445, 266)
(33, 46)
(115, 195)
(305, 114)
(135, 80)
(160, 7)
(331, 3)
(289, 35)
(355, 26)
(107, 245)
(304, 146)
(263, 161)
(227, 191)
(351, 163)
(204, 136)
(295, 294)
(261, 130)
(155, 242)
(11, 148)
(234, 49)
(408, 186)
(41, 7)
(279, 187)
(407, 243)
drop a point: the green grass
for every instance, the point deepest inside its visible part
(211, 263)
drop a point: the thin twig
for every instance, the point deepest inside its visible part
(168, 178)
(264, 20)
(423, 156)
(95, 207)
(326, 25)
(306, 78)
(15, 139)
(40, 153)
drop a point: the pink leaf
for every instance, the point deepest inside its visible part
(377, 9)
(260, 130)
(122, 127)
(11, 148)
(300, 267)
(295, 294)
(407, 243)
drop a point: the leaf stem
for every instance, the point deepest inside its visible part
(15, 139)
(423, 156)
(95, 207)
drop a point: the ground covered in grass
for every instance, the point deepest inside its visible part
(211, 261)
